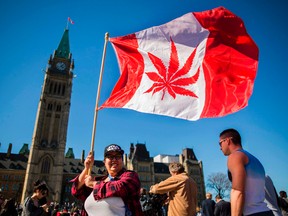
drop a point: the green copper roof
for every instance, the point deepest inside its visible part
(63, 49)
(24, 150)
(70, 153)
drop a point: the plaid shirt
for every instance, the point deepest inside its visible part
(125, 185)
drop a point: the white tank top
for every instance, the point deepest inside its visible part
(111, 206)
(254, 188)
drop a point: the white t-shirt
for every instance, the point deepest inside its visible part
(111, 206)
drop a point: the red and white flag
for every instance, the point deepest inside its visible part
(200, 65)
(70, 20)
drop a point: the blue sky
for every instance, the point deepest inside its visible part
(31, 30)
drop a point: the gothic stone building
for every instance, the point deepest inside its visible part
(46, 159)
(151, 170)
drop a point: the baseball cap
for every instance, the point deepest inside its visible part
(113, 148)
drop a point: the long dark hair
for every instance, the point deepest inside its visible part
(41, 186)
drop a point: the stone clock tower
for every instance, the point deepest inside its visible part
(46, 158)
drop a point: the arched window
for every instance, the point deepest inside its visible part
(45, 168)
(59, 89)
(63, 90)
(55, 88)
(51, 87)
(50, 107)
(58, 108)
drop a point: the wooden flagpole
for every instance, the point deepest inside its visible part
(97, 97)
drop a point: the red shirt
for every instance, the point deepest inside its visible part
(125, 185)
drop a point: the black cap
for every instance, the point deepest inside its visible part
(113, 148)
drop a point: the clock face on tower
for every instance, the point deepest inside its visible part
(61, 66)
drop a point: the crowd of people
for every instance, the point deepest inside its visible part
(278, 205)
(119, 193)
(9, 207)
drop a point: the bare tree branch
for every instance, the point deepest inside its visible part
(219, 183)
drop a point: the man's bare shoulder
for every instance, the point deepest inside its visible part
(237, 158)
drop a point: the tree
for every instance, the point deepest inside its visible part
(220, 183)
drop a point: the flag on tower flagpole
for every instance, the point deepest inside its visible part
(70, 20)
(200, 65)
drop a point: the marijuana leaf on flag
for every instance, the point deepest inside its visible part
(170, 80)
(200, 65)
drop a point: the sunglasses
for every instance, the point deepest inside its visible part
(220, 143)
(111, 157)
